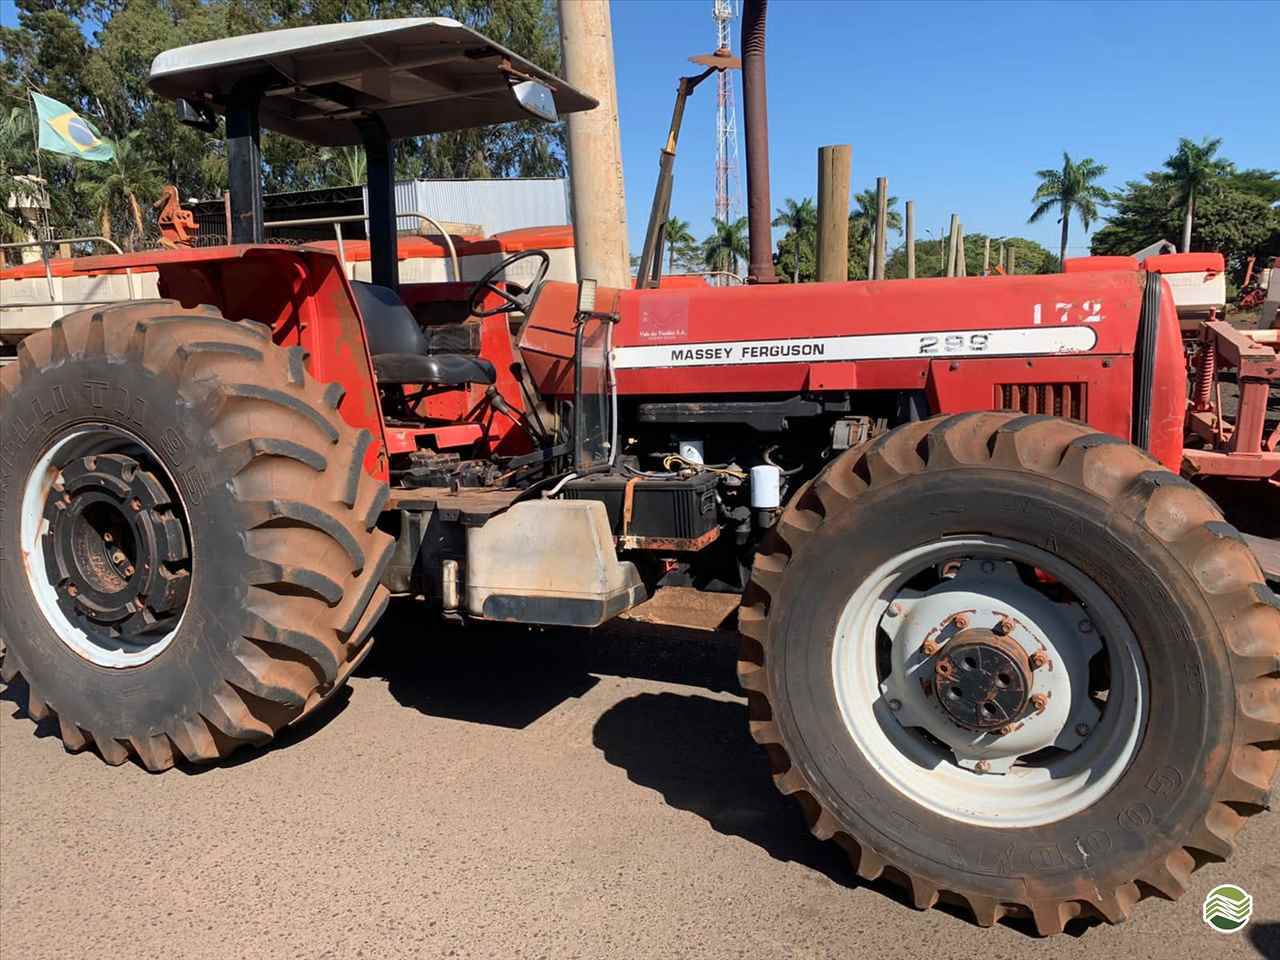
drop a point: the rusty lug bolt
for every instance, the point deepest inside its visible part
(960, 621)
(1038, 660)
(1005, 730)
(1082, 729)
(930, 647)
(118, 556)
(107, 537)
(128, 570)
(135, 505)
(1003, 627)
(1039, 701)
(71, 590)
(982, 766)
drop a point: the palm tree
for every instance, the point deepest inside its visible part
(867, 208)
(1071, 190)
(677, 236)
(1192, 169)
(727, 245)
(129, 181)
(802, 220)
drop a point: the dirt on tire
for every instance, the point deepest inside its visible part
(1193, 595)
(286, 559)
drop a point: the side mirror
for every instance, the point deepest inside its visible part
(199, 117)
(536, 98)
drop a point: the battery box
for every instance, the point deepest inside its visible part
(677, 512)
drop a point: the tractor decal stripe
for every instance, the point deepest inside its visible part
(1009, 342)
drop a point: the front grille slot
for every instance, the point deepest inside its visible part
(1049, 399)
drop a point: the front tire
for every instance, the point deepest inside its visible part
(188, 557)
(1167, 708)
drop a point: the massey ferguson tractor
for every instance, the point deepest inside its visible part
(991, 642)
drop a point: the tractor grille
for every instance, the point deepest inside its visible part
(1050, 399)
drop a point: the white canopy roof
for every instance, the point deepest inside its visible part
(420, 75)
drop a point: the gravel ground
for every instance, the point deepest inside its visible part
(506, 794)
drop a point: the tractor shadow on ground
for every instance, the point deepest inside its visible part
(18, 693)
(692, 749)
(1265, 938)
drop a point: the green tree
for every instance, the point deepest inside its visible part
(801, 223)
(867, 212)
(679, 240)
(1029, 256)
(1236, 217)
(1070, 190)
(116, 191)
(1193, 169)
(726, 248)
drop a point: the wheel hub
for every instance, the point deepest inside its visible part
(112, 553)
(982, 680)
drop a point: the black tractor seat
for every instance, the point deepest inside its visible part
(404, 352)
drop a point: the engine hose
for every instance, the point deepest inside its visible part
(768, 458)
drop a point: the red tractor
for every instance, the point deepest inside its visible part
(992, 643)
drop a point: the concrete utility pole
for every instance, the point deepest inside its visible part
(911, 239)
(882, 227)
(1013, 255)
(961, 270)
(1001, 260)
(834, 167)
(595, 148)
(951, 245)
(986, 258)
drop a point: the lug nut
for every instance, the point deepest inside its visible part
(1085, 626)
(107, 537)
(118, 556)
(1082, 729)
(982, 766)
(895, 608)
(1003, 627)
(135, 505)
(1039, 659)
(930, 647)
(960, 621)
(128, 570)
(988, 566)
(71, 590)
(1039, 701)
(895, 705)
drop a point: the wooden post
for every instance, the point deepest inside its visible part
(594, 145)
(961, 271)
(226, 209)
(1013, 255)
(911, 239)
(952, 255)
(986, 258)
(882, 227)
(834, 164)
(1001, 259)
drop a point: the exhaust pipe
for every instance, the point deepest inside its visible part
(755, 118)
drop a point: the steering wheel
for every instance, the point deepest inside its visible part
(521, 302)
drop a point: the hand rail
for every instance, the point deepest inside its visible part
(44, 246)
(362, 218)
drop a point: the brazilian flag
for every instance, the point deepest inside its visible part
(62, 130)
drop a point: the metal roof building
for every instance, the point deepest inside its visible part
(494, 205)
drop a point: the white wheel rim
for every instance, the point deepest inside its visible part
(910, 742)
(34, 526)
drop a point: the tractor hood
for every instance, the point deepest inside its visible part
(418, 75)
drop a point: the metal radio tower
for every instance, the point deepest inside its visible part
(728, 206)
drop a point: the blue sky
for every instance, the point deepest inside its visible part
(958, 104)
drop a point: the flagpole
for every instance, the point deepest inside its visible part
(44, 184)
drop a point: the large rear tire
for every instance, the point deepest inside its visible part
(1036, 557)
(188, 557)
